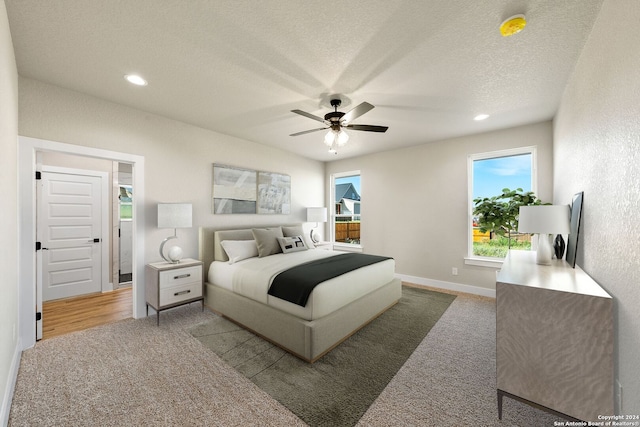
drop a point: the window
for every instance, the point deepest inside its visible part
(489, 173)
(345, 217)
(125, 201)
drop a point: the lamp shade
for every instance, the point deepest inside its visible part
(544, 219)
(339, 138)
(174, 215)
(316, 214)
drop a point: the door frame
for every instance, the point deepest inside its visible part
(27, 153)
(115, 227)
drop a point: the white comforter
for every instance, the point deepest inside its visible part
(252, 278)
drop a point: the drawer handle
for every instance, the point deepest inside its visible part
(182, 276)
(182, 292)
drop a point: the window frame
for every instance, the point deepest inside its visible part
(332, 213)
(472, 259)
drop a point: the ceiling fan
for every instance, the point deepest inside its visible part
(337, 121)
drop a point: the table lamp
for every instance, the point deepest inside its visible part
(316, 215)
(544, 220)
(173, 215)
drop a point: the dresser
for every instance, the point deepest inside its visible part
(170, 285)
(554, 338)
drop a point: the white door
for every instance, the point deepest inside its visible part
(70, 232)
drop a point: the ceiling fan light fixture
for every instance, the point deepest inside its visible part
(336, 138)
(335, 123)
(342, 138)
(329, 138)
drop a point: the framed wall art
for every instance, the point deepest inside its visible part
(234, 190)
(274, 193)
(576, 215)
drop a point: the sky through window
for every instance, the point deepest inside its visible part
(490, 176)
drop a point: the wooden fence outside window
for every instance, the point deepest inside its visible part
(348, 231)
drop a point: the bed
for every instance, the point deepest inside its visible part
(336, 308)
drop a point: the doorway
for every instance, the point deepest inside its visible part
(28, 149)
(72, 216)
(123, 223)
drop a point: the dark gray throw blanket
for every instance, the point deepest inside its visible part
(295, 284)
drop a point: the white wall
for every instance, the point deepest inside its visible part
(597, 150)
(414, 201)
(9, 353)
(178, 157)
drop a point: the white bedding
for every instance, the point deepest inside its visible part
(252, 278)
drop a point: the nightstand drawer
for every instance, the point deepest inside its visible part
(180, 276)
(179, 293)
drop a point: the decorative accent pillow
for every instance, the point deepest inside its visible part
(237, 250)
(296, 230)
(292, 244)
(267, 240)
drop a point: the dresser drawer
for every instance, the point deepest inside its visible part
(180, 293)
(180, 276)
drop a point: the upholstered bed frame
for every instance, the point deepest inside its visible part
(308, 340)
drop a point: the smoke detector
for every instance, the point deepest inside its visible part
(512, 25)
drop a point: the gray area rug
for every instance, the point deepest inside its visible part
(339, 388)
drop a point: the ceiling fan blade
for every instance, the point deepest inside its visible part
(357, 112)
(309, 115)
(307, 131)
(368, 128)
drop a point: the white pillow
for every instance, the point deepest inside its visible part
(237, 250)
(292, 244)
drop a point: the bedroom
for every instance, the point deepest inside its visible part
(594, 152)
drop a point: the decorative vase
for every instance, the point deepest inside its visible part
(558, 246)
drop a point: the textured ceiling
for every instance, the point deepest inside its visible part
(238, 66)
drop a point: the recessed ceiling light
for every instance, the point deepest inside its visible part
(135, 79)
(481, 117)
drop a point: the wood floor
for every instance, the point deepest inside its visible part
(60, 317)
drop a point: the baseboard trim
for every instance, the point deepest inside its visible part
(450, 286)
(11, 385)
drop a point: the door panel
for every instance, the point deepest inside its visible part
(65, 255)
(69, 277)
(69, 219)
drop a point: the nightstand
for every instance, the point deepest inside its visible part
(170, 285)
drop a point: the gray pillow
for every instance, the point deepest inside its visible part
(296, 230)
(267, 240)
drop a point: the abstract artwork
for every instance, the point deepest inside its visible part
(234, 190)
(274, 193)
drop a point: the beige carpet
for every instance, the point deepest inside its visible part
(133, 373)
